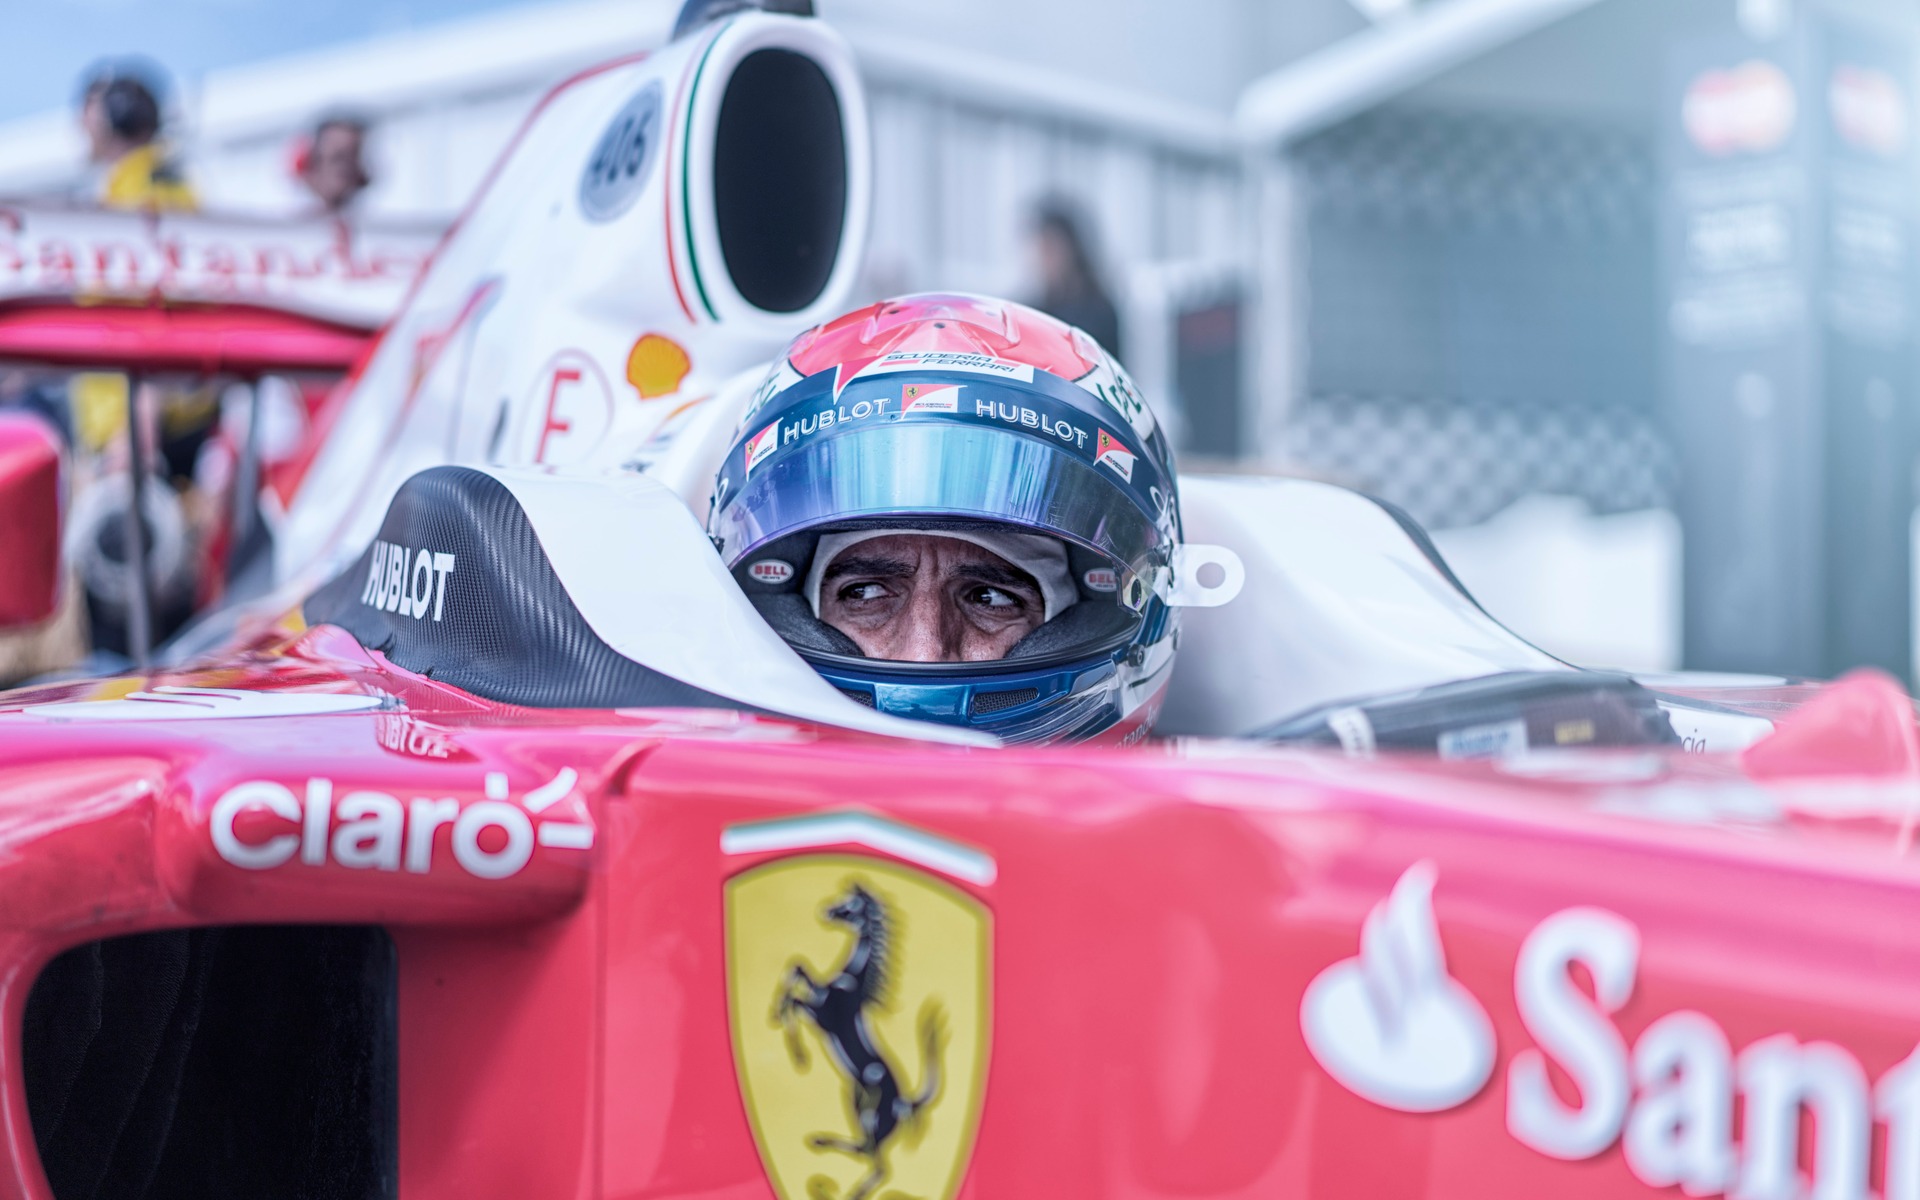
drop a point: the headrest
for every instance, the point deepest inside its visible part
(457, 587)
(1345, 597)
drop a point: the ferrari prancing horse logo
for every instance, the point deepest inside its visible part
(858, 995)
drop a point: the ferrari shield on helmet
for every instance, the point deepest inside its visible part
(983, 420)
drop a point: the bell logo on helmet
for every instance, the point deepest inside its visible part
(1101, 579)
(1108, 450)
(771, 571)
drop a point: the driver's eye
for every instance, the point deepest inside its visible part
(863, 591)
(993, 597)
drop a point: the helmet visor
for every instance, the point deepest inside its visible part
(938, 470)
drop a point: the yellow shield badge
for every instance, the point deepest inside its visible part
(858, 993)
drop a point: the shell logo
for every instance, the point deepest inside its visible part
(1749, 109)
(656, 366)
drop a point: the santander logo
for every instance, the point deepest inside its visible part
(1393, 1027)
(1391, 1024)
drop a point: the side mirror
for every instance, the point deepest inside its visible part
(30, 469)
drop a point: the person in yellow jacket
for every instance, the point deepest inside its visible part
(121, 116)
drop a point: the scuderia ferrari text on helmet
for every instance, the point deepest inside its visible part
(960, 509)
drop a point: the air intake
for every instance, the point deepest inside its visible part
(780, 180)
(253, 1061)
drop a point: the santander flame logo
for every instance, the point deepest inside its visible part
(1392, 1025)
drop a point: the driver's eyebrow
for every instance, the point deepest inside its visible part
(996, 575)
(862, 564)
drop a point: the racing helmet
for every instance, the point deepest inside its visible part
(988, 421)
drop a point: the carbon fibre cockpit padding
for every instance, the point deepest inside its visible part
(456, 587)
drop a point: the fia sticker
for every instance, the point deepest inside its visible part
(1101, 579)
(771, 571)
(622, 158)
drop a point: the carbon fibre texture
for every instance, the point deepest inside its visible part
(496, 621)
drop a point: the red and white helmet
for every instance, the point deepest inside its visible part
(957, 413)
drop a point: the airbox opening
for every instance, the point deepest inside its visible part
(255, 1061)
(780, 180)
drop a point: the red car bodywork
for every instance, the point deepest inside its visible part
(1157, 914)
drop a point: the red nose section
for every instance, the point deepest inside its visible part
(30, 528)
(1861, 725)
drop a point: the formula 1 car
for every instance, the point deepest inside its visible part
(505, 850)
(220, 339)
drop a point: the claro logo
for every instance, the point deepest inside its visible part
(374, 831)
(403, 580)
(1392, 1026)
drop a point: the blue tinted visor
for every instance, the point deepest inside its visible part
(910, 468)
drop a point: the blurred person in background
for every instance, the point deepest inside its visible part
(1070, 285)
(130, 165)
(332, 163)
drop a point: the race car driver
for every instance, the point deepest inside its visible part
(959, 509)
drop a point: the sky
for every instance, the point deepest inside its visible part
(52, 42)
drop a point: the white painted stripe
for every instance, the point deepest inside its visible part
(565, 835)
(552, 791)
(1381, 62)
(862, 829)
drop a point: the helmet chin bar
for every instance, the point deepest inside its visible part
(1038, 704)
(1179, 584)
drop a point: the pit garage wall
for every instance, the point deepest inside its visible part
(1789, 230)
(957, 175)
(1478, 299)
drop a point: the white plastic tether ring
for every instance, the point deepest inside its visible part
(1184, 587)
